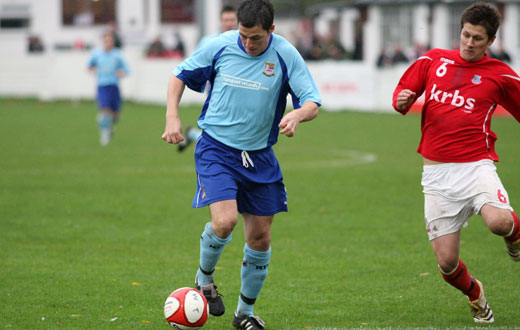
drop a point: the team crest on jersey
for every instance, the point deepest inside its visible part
(269, 69)
(476, 79)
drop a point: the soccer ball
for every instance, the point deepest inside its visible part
(186, 308)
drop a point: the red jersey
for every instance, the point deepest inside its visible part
(460, 98)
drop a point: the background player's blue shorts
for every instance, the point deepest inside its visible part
(252, 178)
(109, 97)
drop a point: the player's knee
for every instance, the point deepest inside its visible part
(259, 241)
(499, 222)
(223, 226)
(501, 226)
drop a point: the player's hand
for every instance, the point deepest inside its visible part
(120, 73)
(173, 131)
(289, 123)
(405, 99)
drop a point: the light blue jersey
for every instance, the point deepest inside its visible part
(107, 64)
(249, 93)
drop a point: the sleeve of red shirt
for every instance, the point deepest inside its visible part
(413, 79)
(510, 98)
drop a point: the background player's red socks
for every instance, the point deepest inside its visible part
(515, 231)
(462, 280)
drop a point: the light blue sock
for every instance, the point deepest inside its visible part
(211, 247)
(254, 272)
(105, 121)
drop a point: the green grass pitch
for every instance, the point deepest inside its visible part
(97, 237)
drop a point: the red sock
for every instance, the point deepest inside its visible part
(515, 231)
(463, 281)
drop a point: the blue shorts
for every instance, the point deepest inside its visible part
(254, 178)
(109, 97)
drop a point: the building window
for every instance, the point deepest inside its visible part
(14, 16)
(177, 11)
(14, 23)
(396, 26)
(88, 12)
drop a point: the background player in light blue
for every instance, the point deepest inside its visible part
(251, 71)
(228, 22)
(109, 66)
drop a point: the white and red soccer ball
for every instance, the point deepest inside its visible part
(186, 308)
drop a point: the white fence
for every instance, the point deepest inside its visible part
(63, 75)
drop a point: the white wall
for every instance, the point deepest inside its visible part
(343, 85)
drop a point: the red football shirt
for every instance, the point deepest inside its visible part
(460, 98)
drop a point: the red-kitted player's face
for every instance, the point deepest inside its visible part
(474, 42)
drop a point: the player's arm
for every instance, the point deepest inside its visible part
(123, 69)
(510, 98)
(173, 130)
(411, 85)
(305, 95)
(92, 63)
(404, 100)
(289, 123)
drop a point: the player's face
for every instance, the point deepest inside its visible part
(228, 21)
(474, 42)
(255, 39)
(108, 42)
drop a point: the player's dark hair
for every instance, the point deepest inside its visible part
(227, 9)
(482, 14)
(256, 12)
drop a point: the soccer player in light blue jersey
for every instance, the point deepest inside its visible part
(251, 71)
(109, 66)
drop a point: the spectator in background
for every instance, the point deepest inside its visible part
(156, 48)
(399, 56)
(35, 45)
(418, 50)
(179, 49)
(357, 53)
(303, 36)
(333, 49)
(383, 60)
(109, 66)
(500, 54)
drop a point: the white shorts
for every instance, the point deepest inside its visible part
(455, 191)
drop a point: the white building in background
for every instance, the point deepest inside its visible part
(62, 23)
(69, 29)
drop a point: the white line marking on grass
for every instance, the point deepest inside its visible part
(328, 159)
(334, 159)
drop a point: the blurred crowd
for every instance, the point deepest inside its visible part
(311, 46)
(158, 49)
